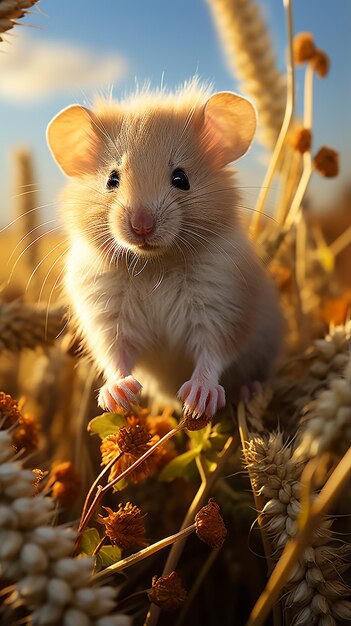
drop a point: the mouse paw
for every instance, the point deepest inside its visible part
(201, 398)
(119, 393)
(247, 392)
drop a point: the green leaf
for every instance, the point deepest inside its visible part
(176, 468)
(199, 438)
(89, 541)
(106, 424)
(108, 555)
(122, 484)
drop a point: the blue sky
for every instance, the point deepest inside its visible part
(77, 46)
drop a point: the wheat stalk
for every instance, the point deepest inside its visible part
(11, 11)
(26, 326)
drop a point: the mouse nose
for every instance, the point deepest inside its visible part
(142, 222)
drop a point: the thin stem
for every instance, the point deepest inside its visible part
(332, 489)
(289, 112)
(131, 597)
(341, 242)
(94, 486)
(196, 586)
(201, 494)
(300, 259)
(100, 544)
(103, 490)
(144, 553)
(307, 159)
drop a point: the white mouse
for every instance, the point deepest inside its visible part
(161, 275)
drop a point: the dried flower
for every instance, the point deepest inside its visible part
(167, 592)
(9, 411)
(26, 435)
(303, 47)
(64, 483)
(134, 439)
(131, 442)
(326, 162)
(196, 423)
(39, 475)
(301, 139)
(27, 326)
(161, 424)
(210, 527)
(320, 63)
(125, 526)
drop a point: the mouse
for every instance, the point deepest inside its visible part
(163, 282)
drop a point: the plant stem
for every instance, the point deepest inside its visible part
(289, 112)
(100, 544)
(144, 553)
(201, 494)
(307, 159)
(103, 490)
(196, 586)
(341, 242)
(94, 486)
(332, 489)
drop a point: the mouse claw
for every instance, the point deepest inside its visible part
(119, 393)
(201, 398)
(247, 392)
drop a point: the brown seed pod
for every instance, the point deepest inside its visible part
(320, 63)
(167, 592)
(210, 527)
(303, 47)
(124, 527)
(301, 139)
(326, 162)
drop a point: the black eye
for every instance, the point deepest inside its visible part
(180, 180)
(113, 180)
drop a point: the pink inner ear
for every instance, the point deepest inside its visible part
(213, 140)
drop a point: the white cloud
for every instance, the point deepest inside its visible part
(32, 69)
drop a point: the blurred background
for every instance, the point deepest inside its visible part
(66, 52)
(70, 51)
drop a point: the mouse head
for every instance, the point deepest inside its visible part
(150, 174)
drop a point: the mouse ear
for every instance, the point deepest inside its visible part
(72, 140)
(230, 123)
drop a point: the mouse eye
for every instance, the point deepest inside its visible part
(113, 180)
(180, 180)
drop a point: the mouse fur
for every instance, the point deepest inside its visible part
(163, 281)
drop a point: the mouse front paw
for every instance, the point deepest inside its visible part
(201, 398)
(119, 393)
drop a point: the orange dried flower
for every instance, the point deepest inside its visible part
(131, 442)
(160, 425)
(301, 139)
(320, 63)
(9, 411)
(303, 47)
(26, 435)
(210, 526)
(167, 592)
(196, 423)
(38, 476)
(64, 482)
(326, 162)
(124, 527)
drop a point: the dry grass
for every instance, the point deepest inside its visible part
(155, 476)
